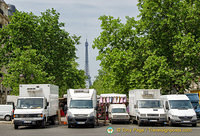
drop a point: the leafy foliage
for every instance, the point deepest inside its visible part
(160, 50)
(39, 49)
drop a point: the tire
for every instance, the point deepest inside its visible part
(170, 123)
(15, 126)
(69, 126)
(92, 126)
(194, 125)
(139, 123)
(7, 118)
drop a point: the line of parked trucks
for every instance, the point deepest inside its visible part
(37, 104)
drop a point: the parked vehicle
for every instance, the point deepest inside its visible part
(105, 100)
(37, 104)
(145, 106)
(179, 110)
(6, 112)
(12, 99)
(82, 106)
(196, 91)
(194, 99)
(118, 113)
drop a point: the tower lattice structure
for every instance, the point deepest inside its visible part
(88, 80)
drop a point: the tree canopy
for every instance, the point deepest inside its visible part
(159, 50)
(36, 49)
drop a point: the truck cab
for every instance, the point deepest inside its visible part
(81, 107)
(37, 104)
(150, 110)
(118, 113)
(179, 110)
(145, 106)
(30, 111)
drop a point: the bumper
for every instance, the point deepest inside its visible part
(27, 123)
(120, 120)
(81, 120)
(184, 121)
(155, 120)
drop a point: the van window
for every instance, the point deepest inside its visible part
(30, 103)
(180, 104)
(118, 110)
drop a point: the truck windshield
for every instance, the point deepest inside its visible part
(180, 104)
(118, 110)
(149, 104)
(81, 104)
(30, 103)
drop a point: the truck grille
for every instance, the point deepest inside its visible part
(153, 115)
(185, 118)
(27, 115)
(80, 119)
(120, 116)
(80, 115)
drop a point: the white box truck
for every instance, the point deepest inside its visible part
(82, 106)
(179, 110)
(37, 104)
(118, 113)
(145, 106)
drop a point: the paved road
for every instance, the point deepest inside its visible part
(119, 130)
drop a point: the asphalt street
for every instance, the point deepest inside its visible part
(7, 129)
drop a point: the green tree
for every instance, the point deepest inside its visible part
(172, 33)
(160, 50)
(38, 48)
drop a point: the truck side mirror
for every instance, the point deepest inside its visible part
(167, 107)
(46, 105)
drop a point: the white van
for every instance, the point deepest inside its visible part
(179, 110)
(118, 113)
(6, 112)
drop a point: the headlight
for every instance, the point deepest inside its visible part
(16, 116)
(143, 115)
(40, 115)
(91, 114)
(69, 114)
(194, 117)
(175, 117)
(162, 115)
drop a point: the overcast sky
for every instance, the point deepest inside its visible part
(81, 18)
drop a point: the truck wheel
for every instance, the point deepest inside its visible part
(16, 126)
(170, 123)
(92, 126)
(194, 125)
(7, 118)
(69, 126)
(139, 123)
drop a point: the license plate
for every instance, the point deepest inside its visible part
(153, 120)
(27, 121)
(186, 121)
(80, 122)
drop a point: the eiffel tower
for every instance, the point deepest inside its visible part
(88, 80)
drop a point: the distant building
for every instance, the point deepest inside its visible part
(11, 9)
(5, 11)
